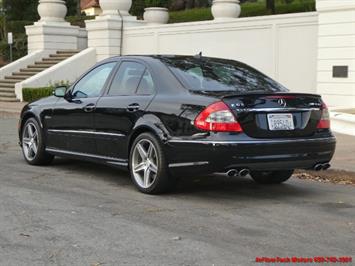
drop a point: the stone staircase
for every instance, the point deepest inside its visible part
(7, 85)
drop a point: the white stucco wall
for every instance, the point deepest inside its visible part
(336, 48)
(282, 46)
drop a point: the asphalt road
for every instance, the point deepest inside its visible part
(75, 213)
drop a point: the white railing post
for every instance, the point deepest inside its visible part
(52, 32)
(105, 31)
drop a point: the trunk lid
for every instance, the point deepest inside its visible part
(283, 115)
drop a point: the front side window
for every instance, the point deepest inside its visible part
(92, 84)
(127, 79)
(219, 75)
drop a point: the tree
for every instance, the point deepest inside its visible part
(73, 7)
(21, 9)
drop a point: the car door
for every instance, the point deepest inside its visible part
(131, 91)
(71, 126)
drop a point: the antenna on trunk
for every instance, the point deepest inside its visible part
(199, 55)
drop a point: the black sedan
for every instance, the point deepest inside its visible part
(162, 117)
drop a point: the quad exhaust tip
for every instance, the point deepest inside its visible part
(321, 166)
(240, 173)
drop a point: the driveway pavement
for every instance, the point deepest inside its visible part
(74, 213)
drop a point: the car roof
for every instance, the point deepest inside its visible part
(151, 57)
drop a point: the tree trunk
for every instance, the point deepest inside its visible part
(78, 8)
(190, 4)
(270, 4)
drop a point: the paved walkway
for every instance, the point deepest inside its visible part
(344, 158)
(11, 109)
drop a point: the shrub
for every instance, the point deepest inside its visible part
(33, 94)
(157, 3)
(78, 20)
(137, 8)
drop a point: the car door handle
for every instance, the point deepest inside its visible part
(134, 107)
(89, 108)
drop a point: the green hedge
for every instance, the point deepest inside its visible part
(249, 9)
(33, 94)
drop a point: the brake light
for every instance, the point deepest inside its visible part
(217, 117)
(324, 122)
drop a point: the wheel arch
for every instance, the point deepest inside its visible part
(24, 119)
(138, 131)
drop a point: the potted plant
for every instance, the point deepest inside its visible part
(225, 9)
(156, 11)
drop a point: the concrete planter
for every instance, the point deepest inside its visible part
(225, 9)
(156, 15)
(110, 7)
(52, 10)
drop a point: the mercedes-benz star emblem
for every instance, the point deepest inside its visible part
(282, 102)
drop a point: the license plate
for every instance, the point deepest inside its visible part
(280, 122)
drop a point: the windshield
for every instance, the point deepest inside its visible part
(217, 75)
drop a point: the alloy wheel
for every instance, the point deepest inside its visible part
(145, 163)
(30, 141)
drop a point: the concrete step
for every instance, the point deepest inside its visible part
(3, 89)
(42, 67)
(15, 78)
(52, 60)
(46, 63)
(8, 82)
(31, 70)
(24, 74)
(68, 51)
(8, 94)
(7, 85)
(5, 99)
(61, 56)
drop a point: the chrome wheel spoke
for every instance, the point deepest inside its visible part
(150, 151)
(26, 141)
(147, 177)
(30, 131)
(34, 148)
(140, 167)
(142, 152)
(153, 168)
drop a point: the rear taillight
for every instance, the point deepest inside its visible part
(324, 122)
(218, 118)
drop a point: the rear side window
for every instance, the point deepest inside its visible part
(127, 79)
(211, 74)
(146, 86)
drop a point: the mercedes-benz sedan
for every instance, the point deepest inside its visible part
(162, 117)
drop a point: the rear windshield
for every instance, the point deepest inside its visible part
(217, 75)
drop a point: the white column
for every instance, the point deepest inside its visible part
(104, 32)
(336, 52)
(52, 32)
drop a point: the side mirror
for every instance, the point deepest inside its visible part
(60, 91)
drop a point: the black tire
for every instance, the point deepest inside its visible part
(271, 177)
(41, 157)
(163, 182)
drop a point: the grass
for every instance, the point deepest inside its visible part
(249, 9)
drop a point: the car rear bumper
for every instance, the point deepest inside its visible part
(208, 156)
